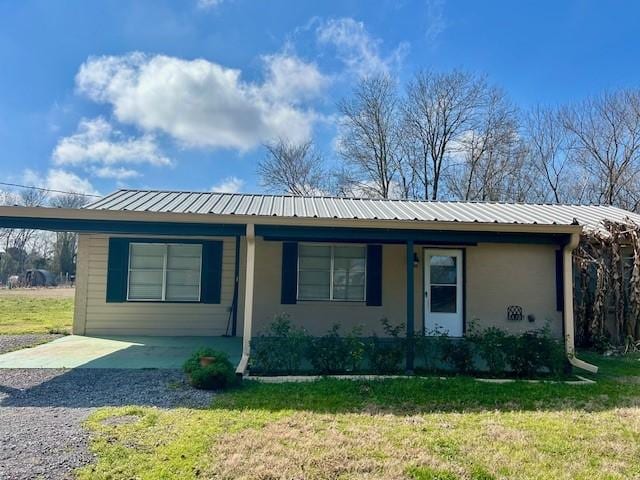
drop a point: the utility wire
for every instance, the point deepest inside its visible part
(49, 190)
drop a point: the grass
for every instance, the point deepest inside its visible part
(34, 313)
(420, 429)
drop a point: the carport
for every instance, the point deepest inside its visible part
(76, 351)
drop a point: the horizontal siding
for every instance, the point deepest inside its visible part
(152, 318)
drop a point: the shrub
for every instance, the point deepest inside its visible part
(429, 347)
(332, 353)
(281, 348)
(459, 353)
(491, 345)
(552, 352)
(386, 354)
(218, 375)
(531, 351)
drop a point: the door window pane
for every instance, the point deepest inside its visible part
(444, 298)
(444, 270)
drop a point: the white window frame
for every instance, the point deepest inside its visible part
(332, 247)
(164, 274)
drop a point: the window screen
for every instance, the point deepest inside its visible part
(331, 272)
(164, 272)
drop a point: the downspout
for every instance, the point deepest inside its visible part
(569, 328)
(248, 299)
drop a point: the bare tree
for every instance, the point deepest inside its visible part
(369, 140)
(17, 239)
(292, 168)
(65, 244)
(488, 155)
(548, 147)
(605, 132)
(439, 109)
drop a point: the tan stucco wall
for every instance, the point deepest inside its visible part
(497, 275)
(318, 317)
(94, 316)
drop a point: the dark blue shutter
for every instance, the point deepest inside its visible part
(117, 269)
(559, 280)
(211, 277)
(289, 290)
(374, 275)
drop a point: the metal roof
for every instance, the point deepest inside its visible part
(589, 216)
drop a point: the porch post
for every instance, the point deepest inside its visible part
(248, 299)
(410, 306)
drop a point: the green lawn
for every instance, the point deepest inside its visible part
(36, 311)
(406, 428)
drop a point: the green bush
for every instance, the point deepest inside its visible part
(429, 347)
(333, 353)
(386, 354)
(281, 348)
(459, 353)
(219, 375)
(491, 345)
(530, 352)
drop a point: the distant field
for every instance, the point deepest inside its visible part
(36, 310)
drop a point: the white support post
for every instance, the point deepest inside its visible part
(248, 299)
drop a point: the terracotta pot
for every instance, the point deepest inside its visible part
(204, 361)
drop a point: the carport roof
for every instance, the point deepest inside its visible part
(591, 217)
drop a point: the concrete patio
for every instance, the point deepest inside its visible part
(136, 352)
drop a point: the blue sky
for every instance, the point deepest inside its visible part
(160, 94)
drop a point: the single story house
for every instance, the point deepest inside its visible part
(201, 263)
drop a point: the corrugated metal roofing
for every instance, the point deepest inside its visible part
(589, 216)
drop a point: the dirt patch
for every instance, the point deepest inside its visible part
(57, 292)
(316, 447)
(121, 420)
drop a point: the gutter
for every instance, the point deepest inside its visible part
(248, 299)
(569, 324)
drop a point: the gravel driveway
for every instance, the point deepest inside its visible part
(41, 413)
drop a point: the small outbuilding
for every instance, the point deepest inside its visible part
(39, 278)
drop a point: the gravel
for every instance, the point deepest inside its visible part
(42, 411)
(9, 343)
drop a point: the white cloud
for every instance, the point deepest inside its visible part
(359, 51)
(207, 4)
(203, 104)
(288, 77)
(119, 173)
(97, 142)
(228, 185)
(436, 23)
(61, 180)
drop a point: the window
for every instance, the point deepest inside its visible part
(331, 272)
(164, 272)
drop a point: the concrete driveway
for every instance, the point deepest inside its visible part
(75, 351)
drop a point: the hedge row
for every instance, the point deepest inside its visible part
(286, 349)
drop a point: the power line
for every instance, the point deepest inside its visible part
(49, 190)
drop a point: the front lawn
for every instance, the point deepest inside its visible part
(36, 311)
(401, 428)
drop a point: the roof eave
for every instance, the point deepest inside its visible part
(36, 213)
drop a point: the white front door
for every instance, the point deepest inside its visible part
(443, 291)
